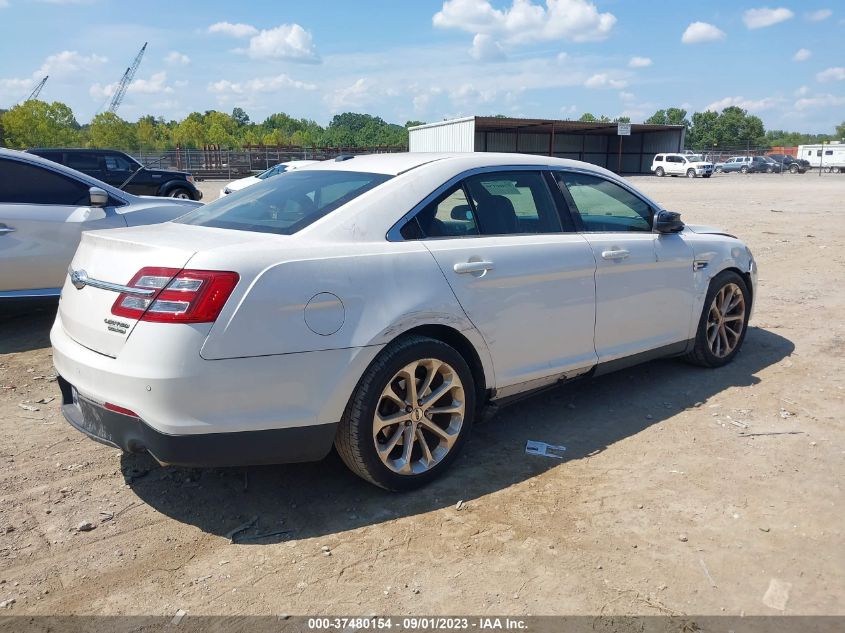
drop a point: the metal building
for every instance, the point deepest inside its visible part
(589, 141)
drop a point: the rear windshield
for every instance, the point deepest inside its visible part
(284, 204)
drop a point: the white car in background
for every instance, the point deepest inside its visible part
(275, 170)
(378, 304)
(45, 207)
(689, 165)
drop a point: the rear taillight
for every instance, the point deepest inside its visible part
(180, 296)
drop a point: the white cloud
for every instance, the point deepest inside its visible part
(175, 58)
(156, 84)
(233, 30)
(68, 63)
(4, 4)
(802, 55)
(761, 18)
(818, 16)
(258, 84)
(699, 32)
(626, 96)
(15, 89)
(803, 90)
(836, 73)
(356, 95)
(767, 103)
(526, 22)
(640, 62)
(485, 48)
(286, 41)
(820, 101)
(602, 80)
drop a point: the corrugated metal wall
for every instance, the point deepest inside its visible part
(638, 150)
(453, 136)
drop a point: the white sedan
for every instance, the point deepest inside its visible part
(378, 304)
(45, 207)
(275, 170)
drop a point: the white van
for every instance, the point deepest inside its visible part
(689, 165)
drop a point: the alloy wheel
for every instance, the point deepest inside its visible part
(419, 416)
(725, 320)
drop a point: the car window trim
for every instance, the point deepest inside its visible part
(579, 222)
(394, 233)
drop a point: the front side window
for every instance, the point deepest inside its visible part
(604, 206)
(659, 159)
(278, 169)
(22, 183)
(286, 204)
(115, 162)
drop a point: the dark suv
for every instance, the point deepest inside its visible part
(117, 168)
(794, 165)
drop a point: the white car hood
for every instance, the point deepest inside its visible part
(237, 185)
(703, 229)
(152, 210)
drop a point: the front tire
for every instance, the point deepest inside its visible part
(181, 193)
(410, 415)
(659, 172)
(690, 173)
(723, 322)
(793, 169)
(744, 170)
(719, 170)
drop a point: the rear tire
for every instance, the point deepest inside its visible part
(659, 172)
(723, 322)
(384, 417)
(719, 170)
(744, 170)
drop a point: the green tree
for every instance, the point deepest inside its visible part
(840, 131)
(109, 130)
(588, 116)
(190, 132)
(240, 117)
(413, 123)
(36, 123)
(670, 116)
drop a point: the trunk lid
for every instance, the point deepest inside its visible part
(115, 256)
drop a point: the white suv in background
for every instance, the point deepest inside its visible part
(689, 165)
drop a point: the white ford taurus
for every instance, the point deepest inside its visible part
(378, 304)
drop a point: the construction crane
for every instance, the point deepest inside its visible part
(128, 76)
(38, 89)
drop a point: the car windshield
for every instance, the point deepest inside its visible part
(285, 204)
(277, 169)
(695, 158)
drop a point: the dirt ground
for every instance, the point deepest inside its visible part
(682, 490)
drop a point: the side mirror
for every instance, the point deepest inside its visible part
(97, 197)
(668, 222)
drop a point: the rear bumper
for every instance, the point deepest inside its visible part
(131, 434)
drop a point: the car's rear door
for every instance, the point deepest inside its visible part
(42, 214)
(644, 279)
(524, 279)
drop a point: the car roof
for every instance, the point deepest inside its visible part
(398, 163)
(76, 150)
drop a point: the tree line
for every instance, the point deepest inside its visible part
(40, 124)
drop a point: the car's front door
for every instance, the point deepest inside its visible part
(42, 214)
(119, 170)
(644, 280)
(523, 279)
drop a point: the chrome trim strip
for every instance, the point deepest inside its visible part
(80, 279)
(30, 294)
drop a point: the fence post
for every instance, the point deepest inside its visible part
(229, 163)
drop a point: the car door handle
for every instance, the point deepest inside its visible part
(472, 267)
(615, 254)
(6, 229)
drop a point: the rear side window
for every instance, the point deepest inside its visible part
(23, 183)
(285, 204)
(83, 162)
(449, 215)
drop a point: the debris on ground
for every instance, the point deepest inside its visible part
(533, 447)
(85, 526)
(178, 617)
(243, 526)
(777, 595)
(28, 407)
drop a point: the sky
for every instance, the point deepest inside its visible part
(429, 60)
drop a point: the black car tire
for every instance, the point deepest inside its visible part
(743, 169)
(719, 170)
(659, 172)
(690, 173)
(356, 440)
(793, 169)
(701, 354)
(181, 193)
(770, 170)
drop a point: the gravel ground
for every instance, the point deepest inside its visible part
(682, 490)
